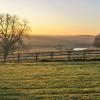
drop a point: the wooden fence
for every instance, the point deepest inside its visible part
(68, 55)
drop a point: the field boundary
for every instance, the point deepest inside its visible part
(66, 55)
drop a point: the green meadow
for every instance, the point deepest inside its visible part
(50, 81)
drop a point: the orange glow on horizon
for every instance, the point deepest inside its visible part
(45, 30)
(57, 17)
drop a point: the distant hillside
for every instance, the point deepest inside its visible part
(59, 42)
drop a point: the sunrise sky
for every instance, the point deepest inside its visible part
(57, 17)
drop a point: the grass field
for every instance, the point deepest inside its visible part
(50, 81)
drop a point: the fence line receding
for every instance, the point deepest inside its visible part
(68, 55)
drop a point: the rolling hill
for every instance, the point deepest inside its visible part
(59, 42)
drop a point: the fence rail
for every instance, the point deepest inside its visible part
(68, 55)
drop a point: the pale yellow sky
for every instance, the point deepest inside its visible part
(57, 17)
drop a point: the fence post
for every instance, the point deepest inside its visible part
(68, 55)
(5, 58)
(36, 57)
(84, 55)
(18, 57)
(52, 54)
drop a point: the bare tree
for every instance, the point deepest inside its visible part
(12, 30)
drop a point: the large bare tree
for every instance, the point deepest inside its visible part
(12, 30)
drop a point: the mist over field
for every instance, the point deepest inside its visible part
(59, 42)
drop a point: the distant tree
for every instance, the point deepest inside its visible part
(12, 30)
(96, 42)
